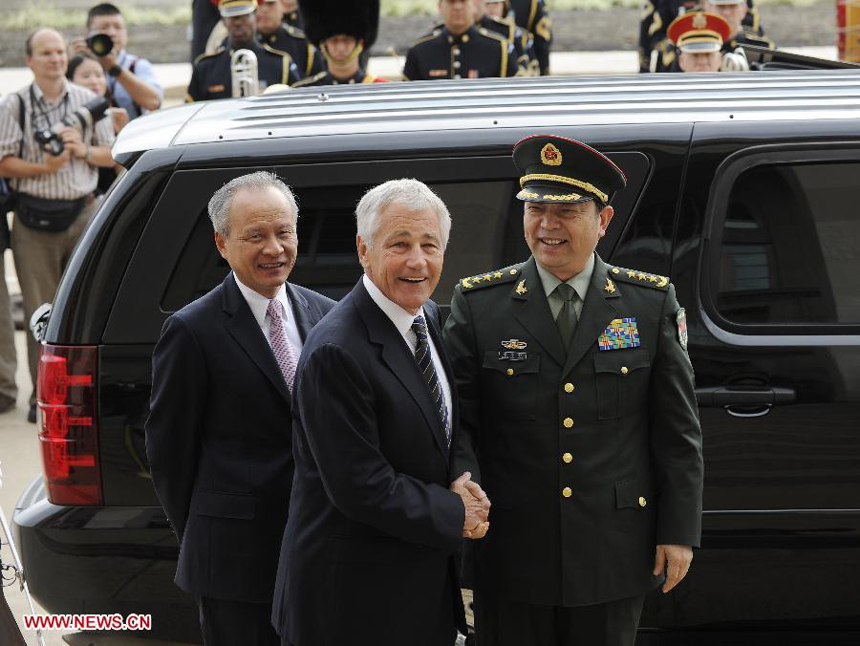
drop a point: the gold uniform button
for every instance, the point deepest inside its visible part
(509, 372)
(567, 492)
(513, 272)
(624, 370)
(642, 501)
(567, 422)
(615, 270)
(465, 38)
(567, 457)
(568, 388)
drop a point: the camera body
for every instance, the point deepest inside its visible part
(99, 44)
(81, 119)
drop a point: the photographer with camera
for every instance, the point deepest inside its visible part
(130, 79)
(53, 138)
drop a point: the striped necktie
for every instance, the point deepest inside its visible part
(425, 365)
(285, 353)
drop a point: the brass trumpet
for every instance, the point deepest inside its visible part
(244, 77)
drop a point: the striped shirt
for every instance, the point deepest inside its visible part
(76, 178)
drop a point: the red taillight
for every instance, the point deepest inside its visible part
(67, 424)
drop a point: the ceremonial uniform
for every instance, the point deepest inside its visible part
(527, 63)
(212, 78)
(591, 456)
(289, 39)
(325, 78)
(532, 16)
(476, 53)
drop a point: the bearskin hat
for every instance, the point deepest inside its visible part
(323, 19)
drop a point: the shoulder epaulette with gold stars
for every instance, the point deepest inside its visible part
(635, 277)
(433, 34)
(496, 277)
(491, 34)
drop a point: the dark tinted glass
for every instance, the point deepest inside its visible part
(789, 251)
(327, 261)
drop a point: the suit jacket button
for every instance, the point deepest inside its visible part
(568, 388)
(642, 501)
(567, 422)
(624, 370)
(567, 457)
(567, 492)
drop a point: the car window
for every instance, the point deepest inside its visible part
(327, 260)
(788, 252)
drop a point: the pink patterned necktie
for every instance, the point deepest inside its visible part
(285, 353)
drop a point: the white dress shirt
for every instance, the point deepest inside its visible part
(259, 305)
(402, 321)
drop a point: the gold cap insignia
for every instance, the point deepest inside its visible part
(514, 344)
(700, 22)
(550, 155)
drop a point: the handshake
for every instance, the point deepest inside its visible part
(477, 506)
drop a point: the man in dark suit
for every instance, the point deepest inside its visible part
(218, 433)
(368, 556)
(579, 419)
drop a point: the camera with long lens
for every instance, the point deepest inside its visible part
(81, 119)
(99, 44)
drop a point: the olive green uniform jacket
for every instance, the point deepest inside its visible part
(590, 458)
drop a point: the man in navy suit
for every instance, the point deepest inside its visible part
(218, 434)
(368, 556)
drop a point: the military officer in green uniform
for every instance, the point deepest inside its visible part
(459, 48)
(272, 31)
(211, 77)
(578, 418)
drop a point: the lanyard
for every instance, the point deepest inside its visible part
(39, 103)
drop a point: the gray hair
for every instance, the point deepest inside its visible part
(409, 193)
(222, 200)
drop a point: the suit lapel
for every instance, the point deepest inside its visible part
(396, 355)
(302, 312)
(534, 313)
(243, 327)
(597, 312)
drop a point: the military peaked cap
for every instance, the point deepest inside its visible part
(557, 169)
(699, 31)
(233, 8)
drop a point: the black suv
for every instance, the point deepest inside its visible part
(743, 188)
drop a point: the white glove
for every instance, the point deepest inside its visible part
(735, 61)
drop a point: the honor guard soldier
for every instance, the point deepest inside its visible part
(460, 48)
(527, 64)
(272, 31)
(532, 16)
(745, 26)
(698, 39)
(578, 418)
(212, 76)
(342, 32)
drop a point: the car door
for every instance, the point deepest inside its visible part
(766, 250)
